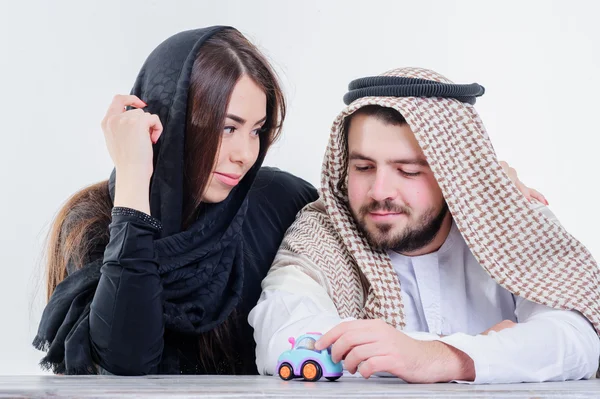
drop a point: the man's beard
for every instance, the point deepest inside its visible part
(411, 238)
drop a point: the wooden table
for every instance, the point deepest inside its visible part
(272, 387)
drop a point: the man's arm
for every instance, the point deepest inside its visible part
(293, 303)
(545, 345)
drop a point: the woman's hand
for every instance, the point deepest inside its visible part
(529, 193)
(503, 325)
(129, 137)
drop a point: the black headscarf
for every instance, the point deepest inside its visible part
(196, 299)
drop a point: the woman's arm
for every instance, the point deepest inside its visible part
(126, 315)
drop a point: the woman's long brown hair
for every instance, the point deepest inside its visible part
(80, 228)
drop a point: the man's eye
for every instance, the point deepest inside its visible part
(415, 174)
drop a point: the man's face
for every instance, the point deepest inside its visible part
(393, 194)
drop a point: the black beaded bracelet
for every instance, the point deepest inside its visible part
(122, 211)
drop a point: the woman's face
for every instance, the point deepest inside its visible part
(240, 145)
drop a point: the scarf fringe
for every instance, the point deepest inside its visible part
(41, 344)
(56, 366)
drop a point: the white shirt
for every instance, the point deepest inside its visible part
(448, 297)
(447, 291)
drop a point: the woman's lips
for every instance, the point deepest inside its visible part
(229, 179)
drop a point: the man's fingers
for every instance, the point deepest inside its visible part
(349, 340)
(361, 353)
(374, 365)
(332, 335)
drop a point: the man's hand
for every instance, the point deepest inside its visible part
(372, 346)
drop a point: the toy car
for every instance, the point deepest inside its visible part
(303, 360)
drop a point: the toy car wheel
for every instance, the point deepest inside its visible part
(311, 371)
(286, 372)
(333, 378)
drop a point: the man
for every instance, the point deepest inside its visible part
(422, 259)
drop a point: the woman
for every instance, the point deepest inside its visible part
(196, 222)
(156, 269)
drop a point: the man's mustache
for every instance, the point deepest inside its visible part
(386, 206)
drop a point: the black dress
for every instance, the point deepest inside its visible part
(126, 315)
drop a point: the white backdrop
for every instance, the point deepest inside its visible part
(62, 61)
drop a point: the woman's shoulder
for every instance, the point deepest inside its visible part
(274, 201)
(277, 196)
(274, 183)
